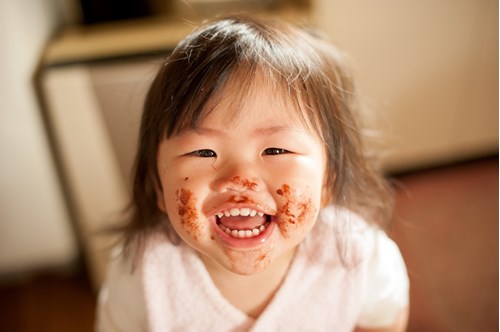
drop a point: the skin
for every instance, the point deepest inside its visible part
(258, 158)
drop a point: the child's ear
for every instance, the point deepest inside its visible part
(160, 202)
(326, 192)
(326, 196)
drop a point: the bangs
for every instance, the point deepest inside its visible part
(246, 84)
(233, 58)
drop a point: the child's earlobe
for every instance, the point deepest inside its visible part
(160, 202)
(326, 192)
(326, 196)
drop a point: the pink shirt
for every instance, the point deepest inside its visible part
(344, 274)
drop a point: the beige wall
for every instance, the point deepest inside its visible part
(34, 226)
(427, 69)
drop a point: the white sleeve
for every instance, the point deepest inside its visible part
(121, 305)
(387, 284)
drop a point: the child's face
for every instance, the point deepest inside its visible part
(243, 192)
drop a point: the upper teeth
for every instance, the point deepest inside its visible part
(234, 212)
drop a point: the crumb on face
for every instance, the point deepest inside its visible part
(245, 183)
(296, 211)
(186, 208)
(240, 199)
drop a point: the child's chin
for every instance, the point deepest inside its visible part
(246, 270)
(247, 263)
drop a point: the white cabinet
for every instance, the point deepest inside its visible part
(94, 114)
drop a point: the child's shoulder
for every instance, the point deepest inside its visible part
(136, 273)
(158, 246)
(350, 235)
(334, 216)
(367, 249)
(346, 224)
(155, 245)
(122, 283)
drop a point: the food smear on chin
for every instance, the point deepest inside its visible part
(248, 262)
(186, 208)
(295, 213)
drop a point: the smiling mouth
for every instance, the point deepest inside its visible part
(243, 223)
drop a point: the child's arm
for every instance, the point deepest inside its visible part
(120, 305)
(399, 325)
(386, 302)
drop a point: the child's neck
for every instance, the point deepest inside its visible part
(249, 293)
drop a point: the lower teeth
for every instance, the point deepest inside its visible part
(241, 234)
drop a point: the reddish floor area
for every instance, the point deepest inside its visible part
(51, 302)
(446, 225)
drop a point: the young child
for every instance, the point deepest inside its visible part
(254, 205)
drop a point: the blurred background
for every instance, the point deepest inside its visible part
(73, 78)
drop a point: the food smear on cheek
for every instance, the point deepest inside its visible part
(296, 211)
(186, 208)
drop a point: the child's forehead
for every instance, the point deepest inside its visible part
(262, 95)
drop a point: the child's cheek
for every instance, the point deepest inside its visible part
(186, 208)
(297, 211)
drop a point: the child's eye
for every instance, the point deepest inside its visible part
(274, 151)
(204, 153)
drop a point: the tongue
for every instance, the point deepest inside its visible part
(243, 223)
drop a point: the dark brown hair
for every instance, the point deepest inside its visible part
(311, 71)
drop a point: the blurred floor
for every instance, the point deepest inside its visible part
(446, 223)
(50, 302)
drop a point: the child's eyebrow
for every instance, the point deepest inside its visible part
(272, 130)
(257, 131)
(207, 131)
